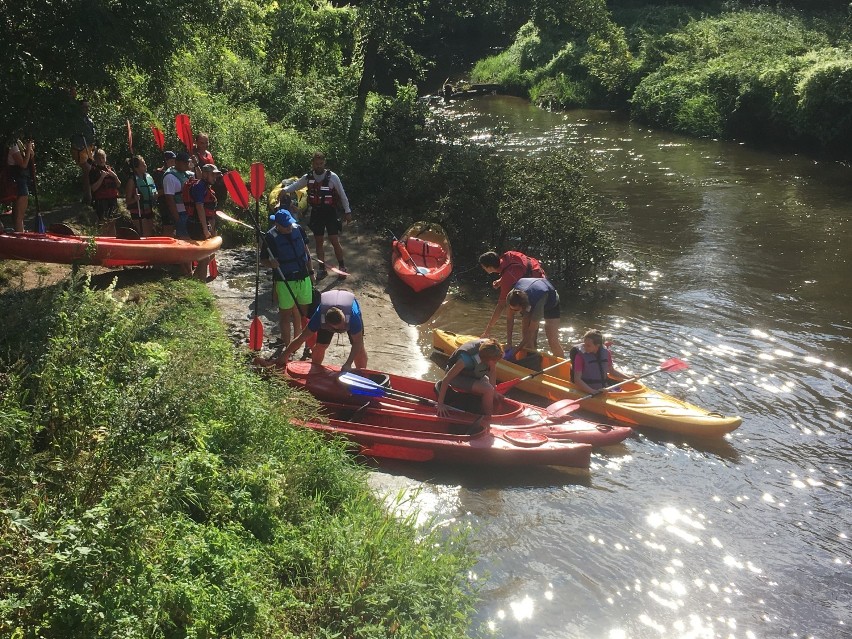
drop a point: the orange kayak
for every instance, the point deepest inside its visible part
(423, 258)
(103, 251)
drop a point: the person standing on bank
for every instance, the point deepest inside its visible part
(104, 184)
(167, 222)
(287, 242)
(201, 212)
(325, 194)
(338, 312)
(173, 180)
(473, 368)
(83, 146)
(592, 366)
(140, 193)
(19, 156)
(512, 266)
(535, 298)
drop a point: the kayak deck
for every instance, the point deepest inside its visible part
(635, 404)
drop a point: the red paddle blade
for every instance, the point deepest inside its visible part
(129, 137)
(184, 130)
(562, 408)
(502, 387)
(159, 137)
(256, 334)
(257, 180)
(674, 364)
(236, 188)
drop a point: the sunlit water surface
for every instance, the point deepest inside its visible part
(737, 261)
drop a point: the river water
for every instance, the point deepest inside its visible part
(739, 262)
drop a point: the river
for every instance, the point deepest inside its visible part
(738, 261)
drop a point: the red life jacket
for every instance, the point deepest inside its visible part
(108, 189)
(319, 192)
(204, 157)
(210, 200)
(532, 265)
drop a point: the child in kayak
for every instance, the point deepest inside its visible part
(472, 367)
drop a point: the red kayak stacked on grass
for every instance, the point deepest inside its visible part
(423, 257)
(104, 251)
(370, 407)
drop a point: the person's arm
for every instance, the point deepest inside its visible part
(301, 183)
(615, 373)
(527, 333)
(494, 317)
(98, 181)
(344, 201)
(510, 326)
(23, 159)
(131, 195)
(293, 346)
(357, 347)
(457, 368)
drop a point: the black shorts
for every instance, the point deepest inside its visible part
(553, 312)
(195, 230)
(324, 336)
(324, 220)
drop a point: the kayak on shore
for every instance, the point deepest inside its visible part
(104, 251)
(635, 404)
(423, 258)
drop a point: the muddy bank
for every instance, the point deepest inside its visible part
(391, 312)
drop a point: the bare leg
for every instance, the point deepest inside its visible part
(551, 330)
(318, 353)
(285, 316)
(201, 269)
(19, 209)
(320, 249)
(338, 250)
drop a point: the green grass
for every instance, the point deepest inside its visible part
(153, 487)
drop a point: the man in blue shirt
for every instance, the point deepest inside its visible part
(338, 312)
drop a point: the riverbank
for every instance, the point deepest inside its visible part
(152, 485)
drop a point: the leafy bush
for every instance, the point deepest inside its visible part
(153, 487)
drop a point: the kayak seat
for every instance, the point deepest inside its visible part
(424, 253)
(468, 402)
(58, 228)
(381, 379)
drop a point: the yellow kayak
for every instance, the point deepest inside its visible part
(635, 405)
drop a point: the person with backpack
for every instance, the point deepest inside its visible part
(591, 364)
(472, 368)
(535, 298)
(338, 312)
(104, 183)
(288, 243)
(173, 180)
(167, 223)
(325, 195)
(140, 193)
(19, 158)
(511, 266)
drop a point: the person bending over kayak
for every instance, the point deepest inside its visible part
(512, 266)
(472, 367)
(592, 365)
(288, 243)
(535, 299)
(338, 312)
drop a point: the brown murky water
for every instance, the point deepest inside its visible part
(738, 261)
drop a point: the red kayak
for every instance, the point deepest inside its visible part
(103, 251)
(423, 257)
(401, 399)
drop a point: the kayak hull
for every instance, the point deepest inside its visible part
(509, 415)
(104, 251)
(636, 405)
(429, 249)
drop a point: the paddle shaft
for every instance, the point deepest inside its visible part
(514, 382)
(400, 248)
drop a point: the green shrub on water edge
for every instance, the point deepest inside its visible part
(153, 487)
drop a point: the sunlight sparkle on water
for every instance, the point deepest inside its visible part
(523, 609)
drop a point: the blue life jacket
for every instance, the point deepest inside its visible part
(595, 366)
(290, 251)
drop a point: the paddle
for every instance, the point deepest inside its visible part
(360, 385)
(565, 406)
(159, 137)
(420, 270)
(258, 182)
(39, 219)
(504, 386)
(184, 130)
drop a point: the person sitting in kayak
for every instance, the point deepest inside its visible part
(338, 312)
(511, 266)
(472, 367)
(535, 298)
(591, 365)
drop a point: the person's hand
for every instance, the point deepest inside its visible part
(443, 410)
(496, 283)
(347, 216)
